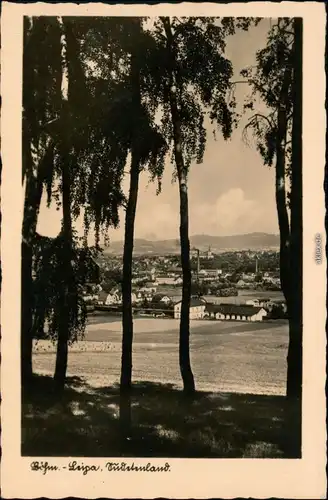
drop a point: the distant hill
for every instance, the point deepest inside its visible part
(251, 241)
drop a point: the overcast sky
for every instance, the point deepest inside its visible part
(230, 193)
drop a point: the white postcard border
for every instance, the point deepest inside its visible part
(257, 478)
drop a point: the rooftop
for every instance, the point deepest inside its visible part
(241, 310)
(194, 302)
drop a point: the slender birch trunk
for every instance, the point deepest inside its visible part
(294, 358)
(184, 338)
(127, 313)
(67, 271)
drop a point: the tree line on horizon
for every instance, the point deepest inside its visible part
(108, 97)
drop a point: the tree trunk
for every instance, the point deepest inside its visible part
(127, 319)
(30, 216)
(67, 273)
(62, 349)
(294, 357)
(67, 234)
(33, 176)
(127, 314)
(33, 194)
(184, 340)
(27, 316)
(281, 202)
(184, 343)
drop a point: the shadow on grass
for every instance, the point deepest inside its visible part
(85, 422)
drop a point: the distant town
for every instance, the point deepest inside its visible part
(235, 285)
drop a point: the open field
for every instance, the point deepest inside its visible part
(262, 294)
(244, 295)
(241, 298)
(226, 356)
(239, 410)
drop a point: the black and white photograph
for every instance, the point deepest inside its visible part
(161, 241)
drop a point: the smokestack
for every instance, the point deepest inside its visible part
(198, 266)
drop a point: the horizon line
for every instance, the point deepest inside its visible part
(196, 234)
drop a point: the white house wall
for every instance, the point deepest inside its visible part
(238, 317)
(196, 312)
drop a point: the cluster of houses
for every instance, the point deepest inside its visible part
(247, 279)
(115, 297)
(147, 283)
(148, 292)
(252, 310)
(267, 304)
(210, 274)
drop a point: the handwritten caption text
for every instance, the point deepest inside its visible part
(74, 466)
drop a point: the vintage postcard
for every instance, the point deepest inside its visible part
(163, 250)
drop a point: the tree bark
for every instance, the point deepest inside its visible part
(294, 357)
(30, 216)
(127, 313)
(280, 191)
(33, 193)
(281, 202)
(67, 233)
(27, 316)
(67, 273)
(127, 319)
(184, 339)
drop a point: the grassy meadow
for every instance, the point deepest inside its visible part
(239, 410)
(164, 423)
